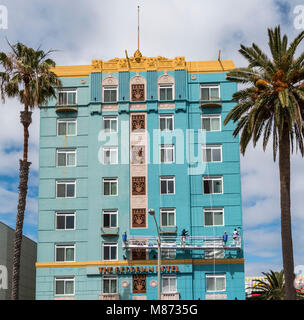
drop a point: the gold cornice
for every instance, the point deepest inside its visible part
(139, 262)
(210, 66)
(137, 64)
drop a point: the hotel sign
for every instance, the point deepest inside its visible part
(137, 269)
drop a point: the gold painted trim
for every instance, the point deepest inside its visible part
(136, 263)
(144, 64)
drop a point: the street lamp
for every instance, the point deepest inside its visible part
(152, 213)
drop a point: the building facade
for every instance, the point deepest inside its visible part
(123, 137)
(27, 281)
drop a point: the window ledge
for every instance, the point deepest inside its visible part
(109, 296)
(170, 296)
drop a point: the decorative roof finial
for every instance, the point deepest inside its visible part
(137, 54)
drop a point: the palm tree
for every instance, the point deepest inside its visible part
(25, 75)
(272, 104)
(273, 287)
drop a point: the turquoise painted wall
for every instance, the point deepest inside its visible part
(188, 199)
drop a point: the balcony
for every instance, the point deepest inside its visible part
(215, 103)
(60, 108)
(109, 296)
(109, 231)
(168, 230)
(170, 296)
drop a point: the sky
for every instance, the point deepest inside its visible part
(103, 29)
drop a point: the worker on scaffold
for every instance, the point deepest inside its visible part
(183, 237)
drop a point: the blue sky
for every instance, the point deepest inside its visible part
(92, 29)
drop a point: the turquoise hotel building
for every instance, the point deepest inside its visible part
(134, 151)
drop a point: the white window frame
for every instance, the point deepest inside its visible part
(64, 279)
(110, 278)
(109, 87)
(167, 211)
(166, 86)
(67, 91)
(109, 244)
(67, 121)
(214, 178)
(216, 276)
(109, 180)
(66, 151)
(166, 116)
(167, 179)
(111, 212)
(66, 182)
(65, 246)
(166, 147)
(210, 117)
(65, 214)
(110, 118)
(111, 149)
(213, 252)
(213, 210)
(168, 253)
(212, 147)
(210, 86)
(171, 276)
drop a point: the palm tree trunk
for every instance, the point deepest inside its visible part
(26, 119)
(286, 233)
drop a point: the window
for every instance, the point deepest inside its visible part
(65, 221)
(64, 253)
(166, 122)
(213, 217)
(109, 251)
(211, 122)
(215, 282)
(165, 92)
(109, 218)
(65, 189)
(66, 157)
(109, 284)
(167, 253)
(64, 286)
(169, 284)
(110, 124)
(167, 153)
(212, 153)
(215, 251)
(167, 185)
(67, 97)
(66, 127)
(109, 94)
(167, 217)
(110, 186)
(210, 92)
(110, 155)
(212, 185)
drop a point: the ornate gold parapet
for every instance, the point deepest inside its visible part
(138, 63)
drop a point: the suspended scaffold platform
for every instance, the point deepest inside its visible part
(182, 243)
